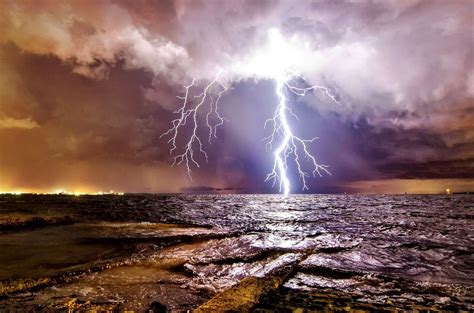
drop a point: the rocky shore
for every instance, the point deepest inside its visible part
(21, 223)
(74, 263)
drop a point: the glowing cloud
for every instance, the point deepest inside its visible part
(276, 58)
(24, 123)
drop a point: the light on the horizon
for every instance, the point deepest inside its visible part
(61, 192)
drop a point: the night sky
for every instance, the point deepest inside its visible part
(88, 87)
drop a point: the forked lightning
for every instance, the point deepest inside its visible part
(274, 61)
(188, 112)
(290, 146)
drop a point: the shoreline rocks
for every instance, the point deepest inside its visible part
(22, 223)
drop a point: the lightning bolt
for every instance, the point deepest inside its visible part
(291, 145)
(191, 107)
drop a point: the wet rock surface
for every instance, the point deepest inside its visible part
(16, 222)
(163, 253)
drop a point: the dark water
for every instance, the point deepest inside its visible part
(374, 245)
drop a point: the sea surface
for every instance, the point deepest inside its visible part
(354, 251)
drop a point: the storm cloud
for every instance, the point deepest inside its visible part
(87, 87)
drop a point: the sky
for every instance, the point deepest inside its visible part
(87, 88)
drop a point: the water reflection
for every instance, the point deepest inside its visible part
(414, 247)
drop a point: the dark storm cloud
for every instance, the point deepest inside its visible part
(76, 120)
(94, 84)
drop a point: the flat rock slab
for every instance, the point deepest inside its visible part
(244, 296)
(27, 222)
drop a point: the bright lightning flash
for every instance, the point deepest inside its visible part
(275, 61)
(291, 144)
(188, 113)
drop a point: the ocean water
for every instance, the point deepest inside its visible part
(407, 248)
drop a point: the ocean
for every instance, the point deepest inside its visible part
(176, 252)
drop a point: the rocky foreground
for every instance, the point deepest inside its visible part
(66, 263)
